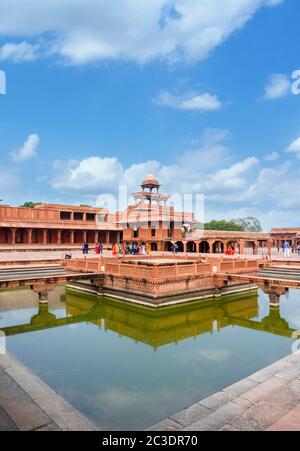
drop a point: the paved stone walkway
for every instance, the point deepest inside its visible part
(40, 254)
(28, 404)
(268, 400)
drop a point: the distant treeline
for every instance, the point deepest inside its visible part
(248, 224)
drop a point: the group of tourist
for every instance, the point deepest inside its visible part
(131, 249)
(121, 249)
(287, 248)
(98, 248)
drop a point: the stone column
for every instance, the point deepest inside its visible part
(84, 236)
(43, 297)
(107, 237)
(13, 236)
(44, 236)
(43, 290)
(242, 246)
(58, 236)
(71, 236)
(274, 300)
(255, 249)
(29, 236)
(269, 246)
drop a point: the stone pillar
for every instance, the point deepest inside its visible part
(84, 236)
(29, 236)
(274, 300)
(269, 245)
(58, 237)
(71, 236)
(43, 297)
(107, 237)
(255, 248)
(43, 290)
(13, 236)
(44, 236)
(242, 246)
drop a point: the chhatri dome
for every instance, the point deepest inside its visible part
(150, 182)
(150, 194)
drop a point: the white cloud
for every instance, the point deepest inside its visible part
(140, 31)
(19, 52)
(90, 175)
(235, 177)
(271, 156)
(232, 187)
(207, 168)
(279, 86)
(294, 147)
(27, 151)
(196, 102)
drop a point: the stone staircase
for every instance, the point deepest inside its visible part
(30, 272)
(280, 273)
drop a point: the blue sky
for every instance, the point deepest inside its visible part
(198, 91)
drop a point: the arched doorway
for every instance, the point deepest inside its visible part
(180, 246)
(20, 236)
(78, 237)
(51, 236)
(204, 247)
(234, 245)
(91, 237)
(218, 247)
(154, 247)
(66, 237)
(37, 236)
(168, 246)
(191, 246)
(4, 236)
(250, 247)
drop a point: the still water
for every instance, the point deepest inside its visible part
(128, 367)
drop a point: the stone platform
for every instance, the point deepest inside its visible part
(28, 404)
(268, 400)
(159, 280)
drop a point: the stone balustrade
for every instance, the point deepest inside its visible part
(160, 268)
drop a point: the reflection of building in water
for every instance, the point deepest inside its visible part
(24, 298)
(169, 325)
(159, 327)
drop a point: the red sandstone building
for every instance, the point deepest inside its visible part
(292, 235)
(150, 220)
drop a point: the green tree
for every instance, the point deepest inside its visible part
(222, 224)
(249, 224)
(29, 204)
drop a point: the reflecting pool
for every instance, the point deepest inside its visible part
(128, 367)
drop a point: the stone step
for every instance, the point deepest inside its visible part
(30, 269)
(281, 274)
(26, 273)
(278, 269)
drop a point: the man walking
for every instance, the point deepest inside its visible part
(286, 248)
